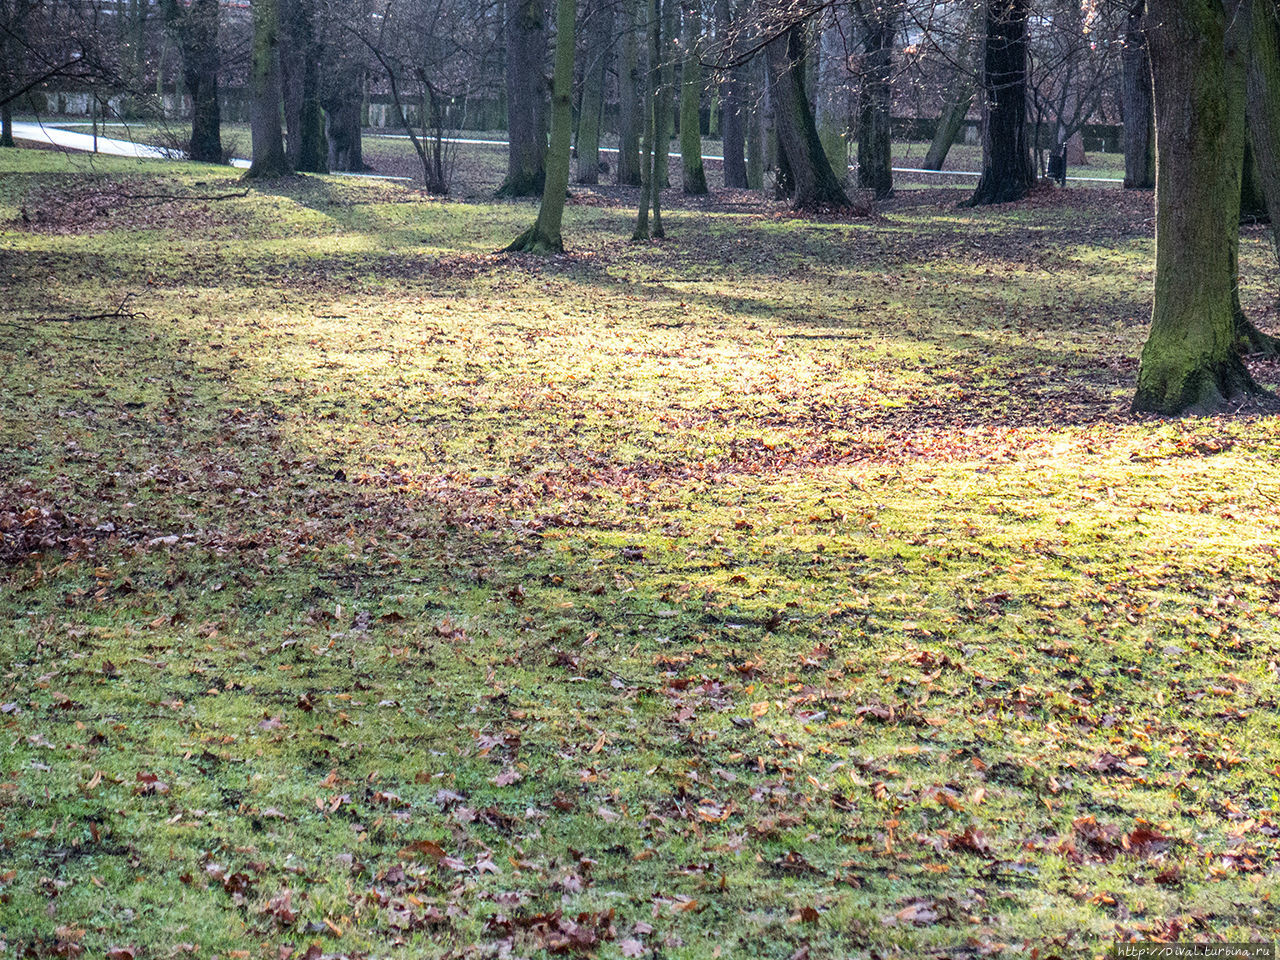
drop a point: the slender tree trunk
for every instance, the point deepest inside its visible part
(831, 99)
(593, 76)
(526, 95)
(670, 88)
(544, 235)
(875, 136)
(631, 99)
(814, 186)
(6, 125)
(694, 179)
(760, 128)
(269, 158)
(959, 99)
(732, 107)
(1007, 172)
(1191, 359)
(652, 104)
(1139, 116)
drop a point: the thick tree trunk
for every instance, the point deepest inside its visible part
(875, 138)
(831, 99)
(300, 69)
(195, 28)
(343, 131)
(1264, 109)
(813, 185)
(593, 75)
(630, 99)
(694, 178)
(732, 107)
(269, 158)
(1007, 172)
(526, 98)
(1139, 117)
(1191, 360)
(959, 99)
(544, 235)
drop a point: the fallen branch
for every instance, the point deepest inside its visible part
(119, 313)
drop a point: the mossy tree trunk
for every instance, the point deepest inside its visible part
(544, 235)
(526, 43)
(877, 20)
(631, 99)
(694, 178)
(269, 159)
(959, 99)
(1191, 361)
(813, 185)
(1007, 172)
(732, 104)
(1139, 116)
(596, 53)
(196, 30)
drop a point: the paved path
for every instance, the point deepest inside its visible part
(125, 148)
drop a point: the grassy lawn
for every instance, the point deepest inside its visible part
(785, 589)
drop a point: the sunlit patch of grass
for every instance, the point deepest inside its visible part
(781, 584)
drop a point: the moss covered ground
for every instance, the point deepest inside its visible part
(785, 589)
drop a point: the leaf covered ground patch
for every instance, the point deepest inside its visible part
(783, 589)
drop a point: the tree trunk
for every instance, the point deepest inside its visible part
(195, 28)
(814, 186)
(593, 76)
(875, 137)
(831, 100)
(300, 69)
(955, 109)
(1007, 172)
(1263, 115)
(1139, 118)
(526, 95)
(652, 105)
(669, 116)
(760, 130)
(631, 110)
(269, 158)
(1191, 360)
(544, 235)
(694, 179)
(733, 109)
(343, 132)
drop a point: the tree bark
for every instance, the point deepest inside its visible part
(1007, 172)
(269, 158)
(1191, 360)
(593, 75)
(196, 30)
(651, 156)
(544, 236)
(813, 185)
(732, 107)
(526, 99)
(831, 100)
(875, 137)
(694, 179)
(300, 71)
(1263, 116)
(955, 109)
(760, 127)
(630, 99)
(1139, 117)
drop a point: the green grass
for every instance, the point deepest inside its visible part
(786, 585)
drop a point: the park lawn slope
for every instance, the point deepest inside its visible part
(784, 589)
